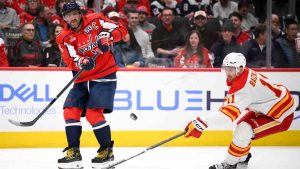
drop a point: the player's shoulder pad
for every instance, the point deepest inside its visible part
(93, 16)
(65, 35)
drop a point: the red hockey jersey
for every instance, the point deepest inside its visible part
(74, 45)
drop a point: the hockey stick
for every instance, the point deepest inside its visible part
(32, 122)
(149, 148)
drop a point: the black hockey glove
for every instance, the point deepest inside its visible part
(86, 63)
(104, 42)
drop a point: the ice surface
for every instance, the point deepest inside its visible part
(158, 158)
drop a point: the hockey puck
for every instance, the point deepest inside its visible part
(133, 116)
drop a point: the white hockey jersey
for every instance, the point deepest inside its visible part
(252, 91)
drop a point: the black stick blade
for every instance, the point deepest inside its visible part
(22, 124)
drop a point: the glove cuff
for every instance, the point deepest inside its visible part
(78, 63)
(199, 124)
(106, 34)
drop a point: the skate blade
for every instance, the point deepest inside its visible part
(102, 165)
(242, 166)
(71, 165)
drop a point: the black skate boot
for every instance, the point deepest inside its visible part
(244, 164)
(239, 165)
(72, 160)
(104, 158)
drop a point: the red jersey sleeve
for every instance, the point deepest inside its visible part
(118, 31)
(67, 46)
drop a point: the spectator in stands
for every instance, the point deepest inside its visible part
(255, 50)
(141, 36)
(128, 53)
(188, 7)
(43, 25)
(288, 45)
(236, 19)
(127, 5)
(58, 18)
(143, 21)
(171, 4)
(167, 39)
(156, 7)
(225, 45)
(52, 53)
(111, 3)
(276, 28)
(114, 16)
(8, 16)
(3, 56)
(223, 8)
(31, 9)
(249, 21)
(200, 19)
(49, 4)
(193, 54)
(28, 52)
(121, 3)
(130, 5)
(18, 5)
(208, 31)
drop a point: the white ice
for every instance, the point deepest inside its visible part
(158, 158)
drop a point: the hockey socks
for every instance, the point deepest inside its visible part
(73, 132)
(102, 133)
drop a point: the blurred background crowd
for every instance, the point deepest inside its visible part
(162, 33)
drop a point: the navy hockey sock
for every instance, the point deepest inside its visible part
(73, 132)
(102, 133)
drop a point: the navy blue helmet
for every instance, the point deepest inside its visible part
(70, 6)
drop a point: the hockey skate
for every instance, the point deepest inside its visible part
(103, 159)
(72, 160)
(239, 165)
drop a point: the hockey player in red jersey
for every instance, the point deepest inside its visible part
(265, 108)
(93, 92)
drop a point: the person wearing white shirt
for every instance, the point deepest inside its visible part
(141, 36)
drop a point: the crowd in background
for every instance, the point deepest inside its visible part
(162, 33)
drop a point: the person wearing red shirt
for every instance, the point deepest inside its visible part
(193, 54)
(236, 19)
(3, 56)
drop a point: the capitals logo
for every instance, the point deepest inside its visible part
(87, 47)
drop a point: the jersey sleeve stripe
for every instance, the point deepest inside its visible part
(281, 107)
(285, 109)
(231, 111)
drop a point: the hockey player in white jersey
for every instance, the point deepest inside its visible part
(267, 109)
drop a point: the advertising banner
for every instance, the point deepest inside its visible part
(162, 100)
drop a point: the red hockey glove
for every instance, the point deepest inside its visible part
(86, 63)
(104, 42)
(195, 127)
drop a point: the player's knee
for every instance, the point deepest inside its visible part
(243, 133)
(94, 116)
(72, 113)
